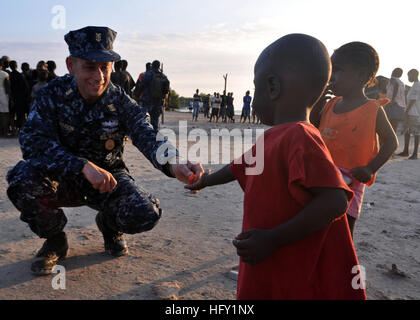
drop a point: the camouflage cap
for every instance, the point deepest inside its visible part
(92, 44)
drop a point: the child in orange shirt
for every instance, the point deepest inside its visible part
(350, 123)
(295, 241)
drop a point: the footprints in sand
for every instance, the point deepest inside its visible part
(366, 246)
(167, 290)
(415, 235)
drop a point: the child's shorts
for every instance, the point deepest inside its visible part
(358, 188)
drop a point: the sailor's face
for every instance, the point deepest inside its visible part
(92, 78)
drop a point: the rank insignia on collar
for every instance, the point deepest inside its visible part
(111, 107)
(98, 37)
(68, 92)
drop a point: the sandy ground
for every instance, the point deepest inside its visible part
(189, 254)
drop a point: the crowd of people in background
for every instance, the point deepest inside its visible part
(221, 107)
(403, 110)
(19, 89)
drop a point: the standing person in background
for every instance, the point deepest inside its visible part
(132, 84)
(51, 66)
(382, 87)
(120, 78)
(136, 93)
(5, 61)
(154, 86)
(215, 107)
(42, 82)
(395, 110)
(40, 66)
(27, 75)
(412, 114)
(223, 106)
(246, 110)
(196, 105)
(254, 115)
(230, 109)
(351, 124)
(19, 93)
(4, 101)
(206, 106)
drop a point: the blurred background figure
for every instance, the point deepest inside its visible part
(51, 66)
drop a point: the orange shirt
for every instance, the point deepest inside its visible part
(351, 136)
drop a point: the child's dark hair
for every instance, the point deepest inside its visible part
(362, 56)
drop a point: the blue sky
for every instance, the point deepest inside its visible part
(199, 41)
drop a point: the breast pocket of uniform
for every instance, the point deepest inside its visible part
(68, 133)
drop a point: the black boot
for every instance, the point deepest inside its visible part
(54, 249)
(114, 241)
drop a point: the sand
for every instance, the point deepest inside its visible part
(189, 254)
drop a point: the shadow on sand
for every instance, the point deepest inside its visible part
(20, 272)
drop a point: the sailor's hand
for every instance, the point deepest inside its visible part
(100, 179)
(184, 172)
(187, 173)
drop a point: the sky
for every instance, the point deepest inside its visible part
(200, 41)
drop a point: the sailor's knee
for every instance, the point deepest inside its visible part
(142, 217)
(25, 183)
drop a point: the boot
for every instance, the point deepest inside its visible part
(54, 249)
(114, 241)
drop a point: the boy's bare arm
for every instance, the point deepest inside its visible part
(389, 141)
(221, 176)
(257, 244)
(389, 145)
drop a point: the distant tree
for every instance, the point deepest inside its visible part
(202, 96)
(184, 101)
(174, 101)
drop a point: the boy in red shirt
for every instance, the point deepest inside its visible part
(296, 242)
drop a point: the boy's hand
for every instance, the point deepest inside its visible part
(363, 174)
(254, 245)
(196, 185)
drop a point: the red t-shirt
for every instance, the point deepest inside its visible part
(318, 266)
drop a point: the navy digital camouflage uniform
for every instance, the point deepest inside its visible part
(61, 134)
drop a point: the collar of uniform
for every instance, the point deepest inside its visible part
(73, 90)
